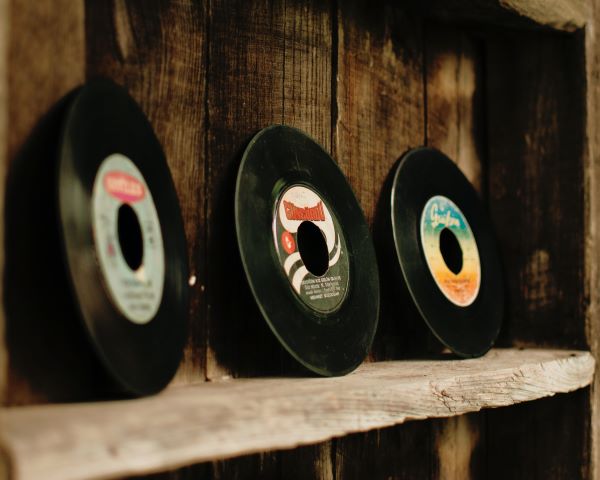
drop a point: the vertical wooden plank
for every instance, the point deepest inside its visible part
(458, 449)
(4, 36)
(399, 452)
(45, 60)
(535, 100)
(591, 42)
(535, 117)
(380, 115)
(275, 68)
(245, 94)
(157, 50)
(379, 94)
(456, 126)
(454, 85)
(307, 65)
(542, 439)
(46, 55)
(307, 101)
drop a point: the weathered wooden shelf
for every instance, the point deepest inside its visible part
(185, 425)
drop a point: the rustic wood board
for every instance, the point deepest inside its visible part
(156, 50)
(591, 44)
(380, 106)
(269, 62)
(455, 124)
(535, 118)
(44, 64)
(4, 28)
(535, 105)
(220, 419)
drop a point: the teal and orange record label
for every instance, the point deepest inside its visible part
(441, 213)
(323, 292)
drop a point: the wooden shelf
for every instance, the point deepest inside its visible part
(190, 424)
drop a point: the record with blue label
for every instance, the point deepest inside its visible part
(447, 252)
(306, 251)
(123, 238)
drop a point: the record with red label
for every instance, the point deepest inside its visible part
(306, 251)
(123, 237)
(447, 252)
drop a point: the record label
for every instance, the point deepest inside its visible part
(315, 262)
(125, 218)
(461, 287)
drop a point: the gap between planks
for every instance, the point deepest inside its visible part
(191, 424)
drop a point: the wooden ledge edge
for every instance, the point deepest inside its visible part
(188, 425)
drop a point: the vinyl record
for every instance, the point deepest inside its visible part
(123, 238)
(306, 251)
(447, 252)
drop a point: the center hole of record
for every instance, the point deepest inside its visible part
(451, 251)
(130, 236)
(313, 248)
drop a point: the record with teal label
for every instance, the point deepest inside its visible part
(445, 247)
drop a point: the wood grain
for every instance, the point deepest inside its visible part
(454, 85)
(535, 139)
(456, 125)
(220, 419)
(275, 69)
(156, 50)
(545, 440)
(535, 127)
(591, 43)
(379, 115)
(4, 36)
(46, 55)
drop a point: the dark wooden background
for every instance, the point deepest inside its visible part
(368, 80)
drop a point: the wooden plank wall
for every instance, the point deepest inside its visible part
(368, 81)
(4, 37)
(592, 229)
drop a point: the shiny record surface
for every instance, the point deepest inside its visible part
(447, 252)
(306, 250)
(123, 238)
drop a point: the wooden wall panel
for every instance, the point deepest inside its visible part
(454, 84)
(591, 41)
(535, 122)
(264, 67)
(547, 438)
(535, 143)
(4, 38)
(367, 81)
(268, 62)
(380, 115)
(456, 125)
(157, 50)
(46, 53)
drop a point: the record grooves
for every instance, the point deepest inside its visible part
(123, 238)
(306, 251)
(447, 252)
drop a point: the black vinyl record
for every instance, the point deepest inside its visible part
(123, 238)
(306, 251)
(447, 252)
